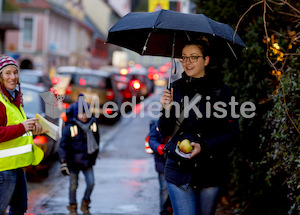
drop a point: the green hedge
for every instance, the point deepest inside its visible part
(266, 163)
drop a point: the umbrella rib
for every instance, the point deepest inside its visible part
(172, 57)
(231, 50)
(146, 43)
(189, 38)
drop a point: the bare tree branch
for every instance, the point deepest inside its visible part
(289, 14)
(292, 7)
(265, 4)
(237, 26)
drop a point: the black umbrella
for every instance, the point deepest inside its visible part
(164, 32)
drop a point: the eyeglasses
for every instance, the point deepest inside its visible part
(193, 59)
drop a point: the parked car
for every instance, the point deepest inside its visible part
(133, 82)
(63, 81)
(98, 87)
(141, 74)
(35, 77)
(33, 103)
(128, 86)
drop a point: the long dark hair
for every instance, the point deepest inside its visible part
(202, 43)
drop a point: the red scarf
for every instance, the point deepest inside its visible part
(16, 101)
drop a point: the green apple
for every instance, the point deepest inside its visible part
(185, 146)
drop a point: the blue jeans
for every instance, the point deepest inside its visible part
(193, 201)
(13, 191)
(163, 194)
(89, 180)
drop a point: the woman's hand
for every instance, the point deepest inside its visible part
(38, 129)
(166, 99)
(29, 124)
(196, 150)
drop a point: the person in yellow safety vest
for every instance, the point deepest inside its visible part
(78, 151)
(17, 149)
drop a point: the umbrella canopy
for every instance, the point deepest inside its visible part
(157, 33)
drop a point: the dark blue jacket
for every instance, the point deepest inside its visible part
(215, 135)
(73, 150)
(155, 139)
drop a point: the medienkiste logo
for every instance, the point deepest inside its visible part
(216, 109)
(53, 107)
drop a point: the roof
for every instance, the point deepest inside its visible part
(63, 12)
(36, 4)
(33, 87)
(30, 71)
(101, 73)
(68, 69)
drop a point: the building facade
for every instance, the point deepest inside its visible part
(54, 33)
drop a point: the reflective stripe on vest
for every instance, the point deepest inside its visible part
(93, 127)
(74, 131)
(21, 151)
(29, 133)
(15, 151)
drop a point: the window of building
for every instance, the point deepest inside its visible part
(28, 30)
(25, 1)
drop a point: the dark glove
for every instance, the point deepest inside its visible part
(64, 169)
(160, 148)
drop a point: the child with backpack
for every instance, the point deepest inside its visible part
(78, 151)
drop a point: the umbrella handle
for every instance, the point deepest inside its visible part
(172, 57)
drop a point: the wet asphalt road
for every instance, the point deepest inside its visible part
(126, 181)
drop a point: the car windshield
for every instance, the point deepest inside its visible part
(31, 79)
(90, 81)
(32, 102)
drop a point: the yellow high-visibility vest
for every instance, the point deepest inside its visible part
(21, 151)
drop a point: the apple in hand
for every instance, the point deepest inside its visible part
(185, 146)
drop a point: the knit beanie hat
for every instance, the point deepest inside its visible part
(4, 62)
(80, 106)
(7, 61)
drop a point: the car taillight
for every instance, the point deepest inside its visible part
(110, 94)
(54, 91)
(136, 84)
(123, 71)
(40, 140)
(66, 105)
(68, 90)
(64, 116)
(108, 111)
(127, 95)
(156, 76)
(82, 81)
(150, 76)
(55, 80)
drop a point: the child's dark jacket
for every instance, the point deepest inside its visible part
(155, 139)
(73, 146)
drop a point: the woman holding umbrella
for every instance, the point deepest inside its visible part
(196, 183)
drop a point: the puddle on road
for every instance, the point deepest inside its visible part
(128, 208)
